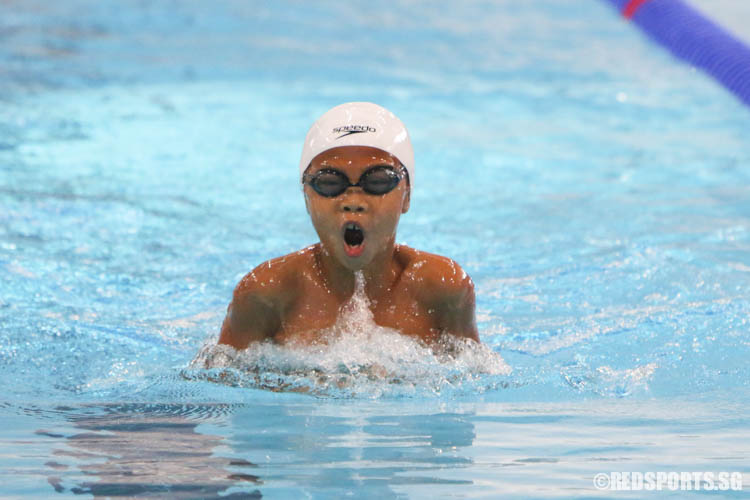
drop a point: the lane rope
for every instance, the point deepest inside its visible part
(631, 8)
(694, 38)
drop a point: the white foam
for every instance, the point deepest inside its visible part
(358, 358)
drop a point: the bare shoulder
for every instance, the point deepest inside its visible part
(254, 314)
(276, 279)
(437, 277)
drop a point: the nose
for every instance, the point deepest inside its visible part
(353, 206)
(353, 201)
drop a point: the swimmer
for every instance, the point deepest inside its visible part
(357, 172)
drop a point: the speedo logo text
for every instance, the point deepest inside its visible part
(352, 129)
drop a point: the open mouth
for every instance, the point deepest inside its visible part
(354, 238)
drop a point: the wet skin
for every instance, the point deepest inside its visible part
(291, 299)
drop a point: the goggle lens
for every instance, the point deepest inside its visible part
(329, 183)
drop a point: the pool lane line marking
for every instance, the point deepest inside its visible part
(631, 7)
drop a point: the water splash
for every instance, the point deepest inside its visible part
(606, 381)
(357, 359)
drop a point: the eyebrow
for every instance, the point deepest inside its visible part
(369, 165)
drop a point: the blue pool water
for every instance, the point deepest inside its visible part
(596, 190)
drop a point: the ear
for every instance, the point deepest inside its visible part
(405, 204)
(307, 201)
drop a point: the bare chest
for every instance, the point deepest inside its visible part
(317, 311)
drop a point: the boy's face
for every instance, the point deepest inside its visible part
(355, 226)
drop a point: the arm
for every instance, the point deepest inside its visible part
(457, 311)
(252, 316)
(451, 295)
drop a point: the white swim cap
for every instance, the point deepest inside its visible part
(359, 124)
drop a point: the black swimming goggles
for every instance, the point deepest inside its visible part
(377, 180)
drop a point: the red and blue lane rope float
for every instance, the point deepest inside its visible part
(693, 38)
